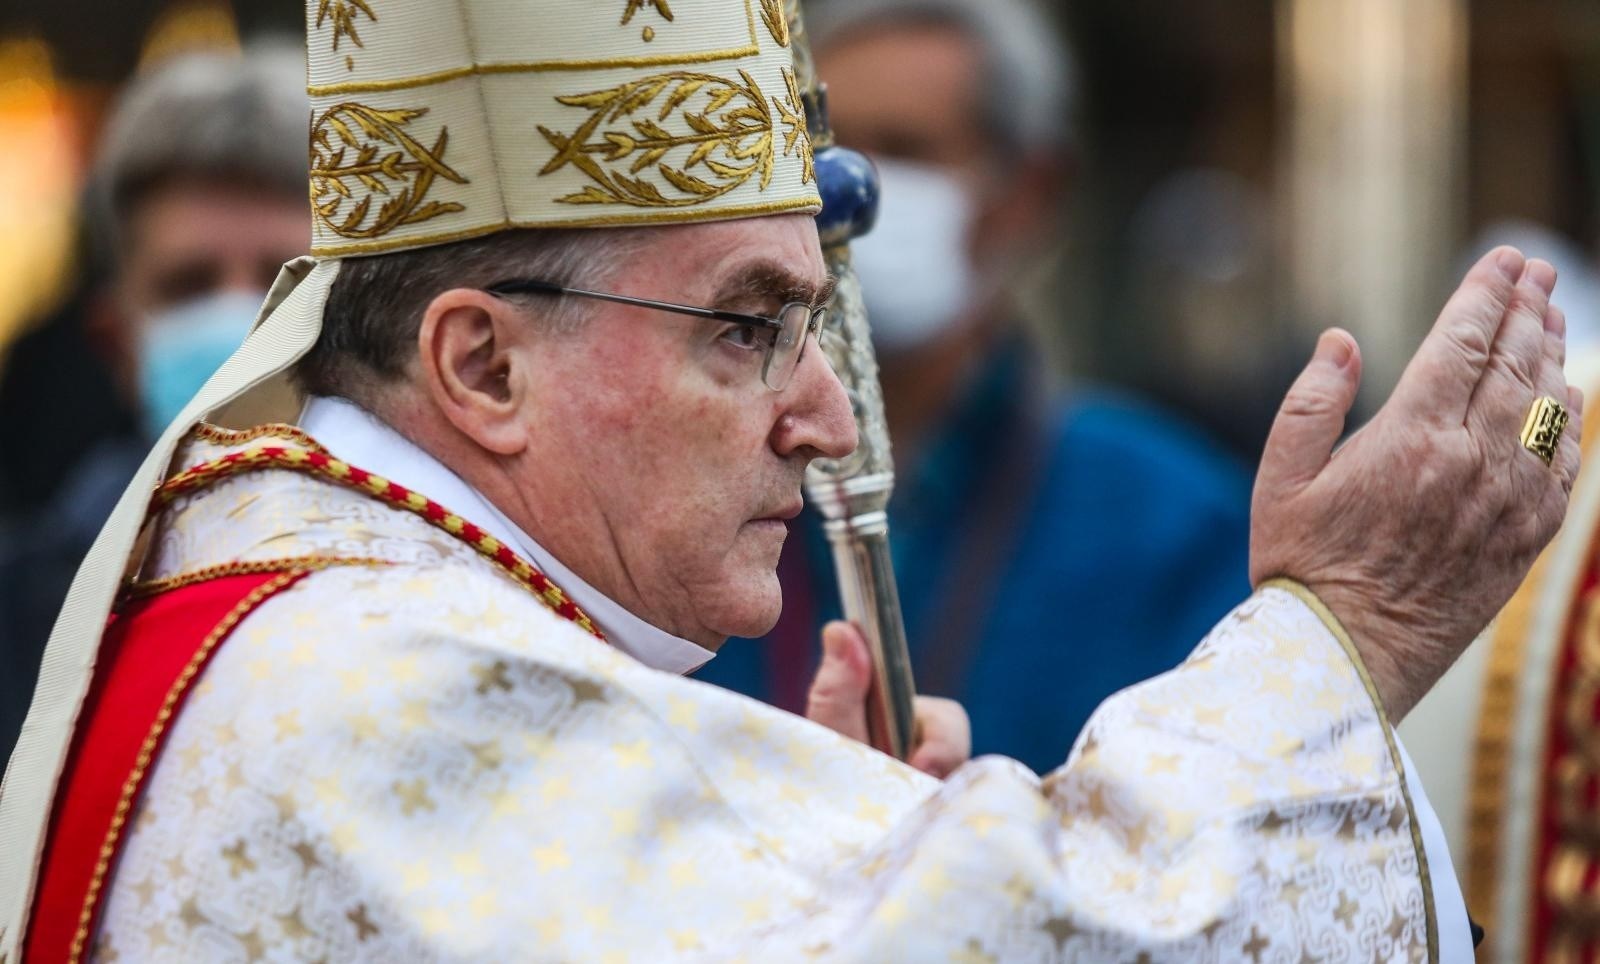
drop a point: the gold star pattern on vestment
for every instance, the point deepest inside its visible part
(587, 691)
(1256, 945)
(413, 796)
(486, 755)
(190, 914)
(254, 947)
(156, 934)
(359, 919)
(103, 951)
(552, 857)
(1345, 913)
(307, 853)
(292, 926)
(973, 953)
(492, 677)
(238, 857)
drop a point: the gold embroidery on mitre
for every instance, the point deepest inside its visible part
(343, 13)
(634, 6)
(386, 160)
(793, 113)
(777, 24)
(733, 122)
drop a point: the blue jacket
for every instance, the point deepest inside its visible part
(1049, 552)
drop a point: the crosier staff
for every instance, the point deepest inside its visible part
(853, 493)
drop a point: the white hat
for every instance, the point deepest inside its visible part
(435, 120)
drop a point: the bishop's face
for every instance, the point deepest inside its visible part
(678, 464)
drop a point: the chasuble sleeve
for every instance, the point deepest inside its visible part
(421, 763)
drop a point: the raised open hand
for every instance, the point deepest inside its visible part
(1418, 530)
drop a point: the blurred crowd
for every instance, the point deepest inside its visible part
(1082, 322)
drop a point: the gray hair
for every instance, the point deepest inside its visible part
(1028, 82)
(375, 308)
(233, 118)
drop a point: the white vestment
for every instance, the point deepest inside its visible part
(416, 759)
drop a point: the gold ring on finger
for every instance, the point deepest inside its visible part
(1541, 430)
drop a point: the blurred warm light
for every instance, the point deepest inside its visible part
(1375, 106)
(191, 26)
(39, 174)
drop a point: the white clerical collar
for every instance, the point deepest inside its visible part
(360, 438)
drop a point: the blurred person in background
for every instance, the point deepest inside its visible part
(1199, 282)
(1017, 506)
(196, 198)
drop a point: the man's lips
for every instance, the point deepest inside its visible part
(781, 515)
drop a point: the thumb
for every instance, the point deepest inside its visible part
(1312, 416)
(838, 697)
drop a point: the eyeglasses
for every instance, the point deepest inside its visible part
(786, 334)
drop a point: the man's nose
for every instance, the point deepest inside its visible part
(816, 413)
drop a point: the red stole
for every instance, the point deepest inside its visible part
(153, 651)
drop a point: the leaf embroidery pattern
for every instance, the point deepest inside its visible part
(359, 153)
(792, 112)
(634, 6)
(724, 139)
(777, 24)
(343, 14)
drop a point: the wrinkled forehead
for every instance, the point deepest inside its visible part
(776, 255)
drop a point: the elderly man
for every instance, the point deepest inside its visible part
(428, 707)
(1014, 503)
(197, 197)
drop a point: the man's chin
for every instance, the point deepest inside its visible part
(753, 612)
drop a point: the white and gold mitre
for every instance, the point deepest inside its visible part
(435, 120)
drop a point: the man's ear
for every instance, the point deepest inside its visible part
(469, 348)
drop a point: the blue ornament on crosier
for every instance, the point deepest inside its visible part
(848, 183)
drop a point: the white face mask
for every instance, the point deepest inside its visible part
(181, 347)
(916, 276)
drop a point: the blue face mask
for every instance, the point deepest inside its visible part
(181, 347)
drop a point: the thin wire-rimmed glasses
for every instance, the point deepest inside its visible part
(787, 332)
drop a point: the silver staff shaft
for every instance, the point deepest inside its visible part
(853, 493)
(853, 496)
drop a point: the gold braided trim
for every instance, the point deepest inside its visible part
(217, 435)
(809, 205)
(1488, 780)
(139, 590)
(268, 457)
(539, 67)
(130, 787)
(1335, 627)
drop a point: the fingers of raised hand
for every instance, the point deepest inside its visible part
(1552, 382)
(944, 736)
(1546, 373)
(1555, 337)
(1524, 364)
(837, 698)
(1445, 373)
(1524, 342)
(1569, 452)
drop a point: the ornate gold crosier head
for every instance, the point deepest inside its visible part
(435, 120)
